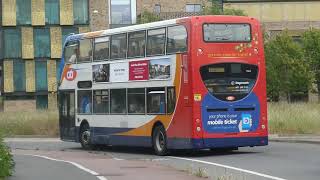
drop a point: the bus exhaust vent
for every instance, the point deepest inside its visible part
(244, 109)
(217, 109)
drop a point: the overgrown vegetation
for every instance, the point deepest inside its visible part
(294, 118)
(30, 123)
(6, 161)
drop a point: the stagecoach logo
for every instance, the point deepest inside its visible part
(71, 74)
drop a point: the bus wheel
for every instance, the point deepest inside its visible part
(159, 141)
(85, 137)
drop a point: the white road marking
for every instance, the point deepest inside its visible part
(229, 167)
(70, 162)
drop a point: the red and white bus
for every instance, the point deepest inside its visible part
(190, 83)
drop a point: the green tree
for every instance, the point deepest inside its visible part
(217, 9)
(147, 17)
(311, 46)
(288, 73)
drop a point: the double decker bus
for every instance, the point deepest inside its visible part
(189, 83)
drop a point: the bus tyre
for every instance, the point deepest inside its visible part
(85, 138)
(159, 141)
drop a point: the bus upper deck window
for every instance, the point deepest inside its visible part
(137, 43)
(156, 42)
(101, 49)
(71, 52)
(118, 46)
(177, 39)
(85, 50)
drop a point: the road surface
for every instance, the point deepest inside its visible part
(291, 161)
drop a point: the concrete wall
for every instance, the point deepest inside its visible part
(282, 15)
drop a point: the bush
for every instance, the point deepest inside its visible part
(288, 72)
(6, 161)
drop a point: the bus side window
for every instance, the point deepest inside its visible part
(177, 39)
(85, 50)
(136, 101)
(101, 49)
(118, 46)
(71, 52)
(84, 102)
(101, 102)
(171, 99)
(118, 101)
(156, 42)
(137, 41)
(156, 102)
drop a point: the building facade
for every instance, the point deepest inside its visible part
(278, 15)
(31, 34)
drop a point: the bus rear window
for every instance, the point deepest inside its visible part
(226, 33)
(227, 80)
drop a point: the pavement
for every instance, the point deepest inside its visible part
(310, 139)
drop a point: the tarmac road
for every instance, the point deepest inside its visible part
(279, 160)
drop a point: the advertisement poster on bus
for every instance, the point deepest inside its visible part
(100, 73)
(159, 68)
(119, 72)
(138, 70)
(219, 117)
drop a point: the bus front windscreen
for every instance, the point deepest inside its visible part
(226, 33)
(229, 81)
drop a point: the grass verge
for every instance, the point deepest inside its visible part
(30, 123)
(295, 118)
(6, 161)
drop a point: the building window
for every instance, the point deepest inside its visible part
(19, 75)
(156, 42)
(101, 102)
(66, 31)
(177, 39)
(52, 12)
(41, 42)
(118, 46)
(157, 8)
(23, 11)
(193, 8)
(101, 48)
(121, 12)
(80, 11)
(41, 76)
(137, 44)
(118, 101)
(84, 102)
(85, 50)
(136, 101)
(156, 102)
(12, 43)
(42, 102)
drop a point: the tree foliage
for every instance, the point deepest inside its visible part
(288, 72)
(311, 47)
(217, 9)
(147, 17)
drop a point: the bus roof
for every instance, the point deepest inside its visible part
(147, 26)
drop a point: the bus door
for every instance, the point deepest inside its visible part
(67, 115)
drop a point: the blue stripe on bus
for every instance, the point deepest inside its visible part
(102, 135)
